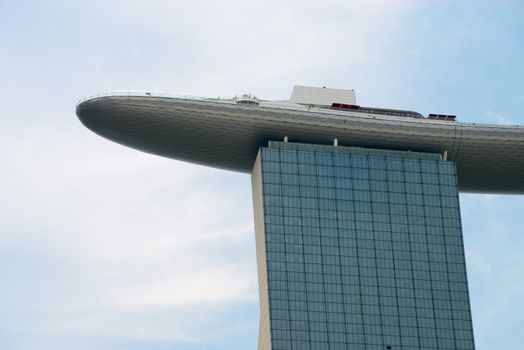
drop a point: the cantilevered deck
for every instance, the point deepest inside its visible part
(227, 135)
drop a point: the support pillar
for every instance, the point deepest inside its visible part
(359, 249)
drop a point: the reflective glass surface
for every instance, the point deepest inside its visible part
(363, 249)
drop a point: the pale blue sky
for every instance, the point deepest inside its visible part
(104, 247)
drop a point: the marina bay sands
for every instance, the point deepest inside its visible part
(357, 219)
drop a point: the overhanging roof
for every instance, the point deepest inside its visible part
(489, 158)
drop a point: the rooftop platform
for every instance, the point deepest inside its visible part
(225, 134)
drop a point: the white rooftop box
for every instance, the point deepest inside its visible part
(307, 95)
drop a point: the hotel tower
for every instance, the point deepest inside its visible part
(357, 220)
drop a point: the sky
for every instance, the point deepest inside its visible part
(104, 247)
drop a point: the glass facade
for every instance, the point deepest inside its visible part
(359, 249)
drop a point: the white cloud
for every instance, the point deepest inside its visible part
(138, 234)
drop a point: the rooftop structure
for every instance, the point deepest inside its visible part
(323, 96)
(227, 133)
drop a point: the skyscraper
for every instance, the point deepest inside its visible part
(358, 232)
(359, 249)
